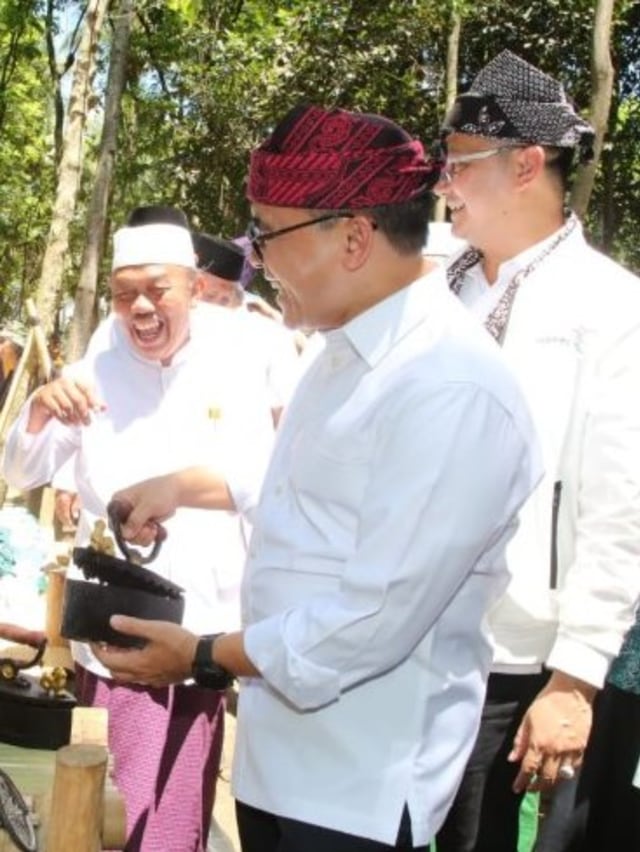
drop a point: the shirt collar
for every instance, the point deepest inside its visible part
(377, 330)
(510, 267)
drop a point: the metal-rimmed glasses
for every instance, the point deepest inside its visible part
(257, 237)
(456, 163)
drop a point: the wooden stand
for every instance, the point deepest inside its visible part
(76, 806)
(75, 815)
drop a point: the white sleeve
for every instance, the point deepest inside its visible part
(31, 460)
(602, 586)
(249, 448)
(64, 479)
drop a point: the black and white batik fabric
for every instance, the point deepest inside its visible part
(512, 100)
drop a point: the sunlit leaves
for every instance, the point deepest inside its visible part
(207, 79)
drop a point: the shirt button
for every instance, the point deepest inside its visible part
(278, 490)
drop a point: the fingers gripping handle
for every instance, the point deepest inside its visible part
(118, 512)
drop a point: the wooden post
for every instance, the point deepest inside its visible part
(77, 801)
(55, 590)
(114, 820)
(90, 725)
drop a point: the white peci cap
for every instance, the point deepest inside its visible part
(158, 243)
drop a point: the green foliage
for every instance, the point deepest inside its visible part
(26, 164)
(213, 90)
(207, 79)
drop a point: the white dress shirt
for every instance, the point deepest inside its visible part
(573, 341)
(399, 467)
(207, 407)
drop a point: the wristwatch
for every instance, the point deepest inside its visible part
(205, 672)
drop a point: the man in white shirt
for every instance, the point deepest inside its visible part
(220, 273)
(399, 467)
(568, 319)
(159, 392)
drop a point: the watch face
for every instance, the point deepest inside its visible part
(15, 817)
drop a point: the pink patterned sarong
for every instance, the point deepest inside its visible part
(166, 746)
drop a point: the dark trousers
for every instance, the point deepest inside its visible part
(600, 810)
(486, 812)
(260, 831)
(558, 811)
(606, 799)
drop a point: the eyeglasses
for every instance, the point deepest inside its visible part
(257, 237)
(456, 163)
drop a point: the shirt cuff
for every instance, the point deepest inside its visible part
(243, 491)
(306, 685)
(578, 660)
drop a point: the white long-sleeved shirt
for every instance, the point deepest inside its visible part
(399, 467)
(207, 407)
(274, 345)
(573, 341)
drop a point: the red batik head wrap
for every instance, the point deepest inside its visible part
(334, 159)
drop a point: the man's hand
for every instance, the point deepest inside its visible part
(166, 658)
(67, 508)
(69, 400)
(144, 506)
(553, 735)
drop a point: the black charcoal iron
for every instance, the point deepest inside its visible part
(35, 712)
(124, 587)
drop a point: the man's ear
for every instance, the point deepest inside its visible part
(197, 286)
(359, 235)
(530, 163)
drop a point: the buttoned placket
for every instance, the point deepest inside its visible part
(301, 408)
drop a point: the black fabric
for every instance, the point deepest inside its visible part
(157, 214)
(218, 256)
(260, 831)
(606, 813)
(485, 813)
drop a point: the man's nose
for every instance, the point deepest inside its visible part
(142, 303)
(444, 183)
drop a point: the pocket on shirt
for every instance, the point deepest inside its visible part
(323, 476)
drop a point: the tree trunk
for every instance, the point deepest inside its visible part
(65, 202)
(602, 88)
(85, 297)
(451, 88)
(56, 79)
(70, 167)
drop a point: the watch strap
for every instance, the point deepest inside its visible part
(205, 672)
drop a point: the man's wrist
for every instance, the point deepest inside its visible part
(564, 682)
(205, 671)
(38, 417)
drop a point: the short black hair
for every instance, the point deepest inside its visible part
(405, 225)
(560, 162)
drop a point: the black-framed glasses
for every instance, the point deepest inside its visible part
(257, 237)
